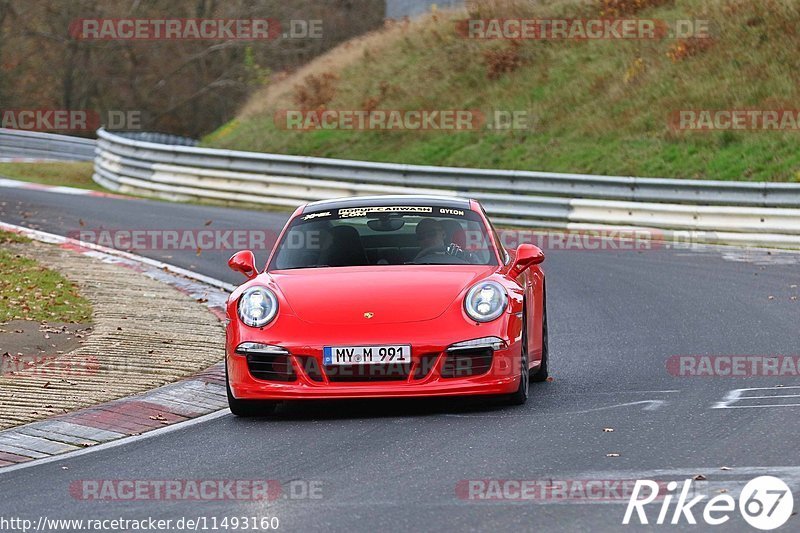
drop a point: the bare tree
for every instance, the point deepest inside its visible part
(180, 86)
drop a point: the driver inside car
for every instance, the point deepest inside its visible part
(430, 236)
(432, 239)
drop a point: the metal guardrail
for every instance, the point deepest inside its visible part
(159, 138)
(755, 212)
(21, 144)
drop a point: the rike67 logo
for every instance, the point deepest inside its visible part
(765, 503)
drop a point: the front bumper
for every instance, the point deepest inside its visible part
(426, 376)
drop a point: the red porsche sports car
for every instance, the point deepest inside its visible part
(386, 296)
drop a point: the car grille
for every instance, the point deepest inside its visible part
(463, 363)
(271, 367)
(466, 363)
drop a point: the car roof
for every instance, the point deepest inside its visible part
(388, 200)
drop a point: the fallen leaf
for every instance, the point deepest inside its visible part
(208, 222)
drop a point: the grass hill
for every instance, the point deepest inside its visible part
(598, 106)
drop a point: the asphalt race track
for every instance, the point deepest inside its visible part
(615, 318)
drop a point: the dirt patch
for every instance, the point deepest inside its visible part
(26, 343)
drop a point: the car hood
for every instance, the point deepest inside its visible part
(393, 294)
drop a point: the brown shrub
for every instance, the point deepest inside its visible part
(316, 91)
(500, 61)
(684, 48)
(372, 102)
(621, 8)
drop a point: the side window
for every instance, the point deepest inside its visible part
(503, 253)
(497, 242)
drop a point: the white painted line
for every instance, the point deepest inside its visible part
(770, 397)
(652, 405)
(737, 395)
(772, 388)
(33, 160)
(115, 443)
(629, 392)
(759, 406)
(61, 189)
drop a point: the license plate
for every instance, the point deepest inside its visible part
(366, 355)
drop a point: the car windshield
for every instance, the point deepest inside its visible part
(402, 235)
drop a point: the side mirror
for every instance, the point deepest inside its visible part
(244, 262)
(527, 256)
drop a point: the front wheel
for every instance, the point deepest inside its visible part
(541, 373)
(521, 395)
(247, 408)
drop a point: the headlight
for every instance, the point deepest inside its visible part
(257, 306)
(486, 301)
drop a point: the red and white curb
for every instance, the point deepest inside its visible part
(202, 395)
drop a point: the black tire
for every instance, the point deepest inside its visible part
(541, 373)
(247, 408)
(521, 395)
